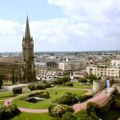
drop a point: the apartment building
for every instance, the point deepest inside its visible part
(71, 65)
(104, 71)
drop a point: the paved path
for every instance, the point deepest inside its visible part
(101, 99)
(9, 102)
(33, 110)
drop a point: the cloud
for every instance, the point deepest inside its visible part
(102, 18)
(10, 35)
(88, 25)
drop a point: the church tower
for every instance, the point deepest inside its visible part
(28, 55)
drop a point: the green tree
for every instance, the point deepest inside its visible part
(82, 80)
(59, 110)
(17, 90)
(93, 110)
(91, 77)
(8, 112)
(68, 99)
(62, 80)
(92, 107)
(83, 115)
(1, 80)
(68, 116)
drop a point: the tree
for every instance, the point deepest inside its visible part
(83, 115)
(17, 90)
(59, 110)
(62, 80)
(68, 116)
(93, 110)
(92, 107)
(8, 112)
(82, 80)
(1, 80)
(91, 77)
(68, 99)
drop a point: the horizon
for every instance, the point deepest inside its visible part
(65, 51)
(78, 25)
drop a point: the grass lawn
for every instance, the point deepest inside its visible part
(82, 86)
(33, 116)
(54, 92)
(1, 102)
(6, 95)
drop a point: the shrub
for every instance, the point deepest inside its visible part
(59, 110)
(32, 87)
(40, 94)
(62, 80)
(83, 115)
(68, 116)
(39, 86)
(115, 104)
(1, 80)
(93, 107)
(7, 112)
(47, 85)
(83, 98)
(25, 90)
(91, 77)
(94, 116)
(67, 98)
(68, 84)
(82, 80)
(17, 90)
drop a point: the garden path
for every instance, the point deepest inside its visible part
(101, 99)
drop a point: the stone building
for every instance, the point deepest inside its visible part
(20, 69)
(103, 71)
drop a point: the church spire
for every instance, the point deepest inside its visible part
(27, 30)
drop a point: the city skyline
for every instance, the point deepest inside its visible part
(78, 25)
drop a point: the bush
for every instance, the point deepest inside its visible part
(40, 94)
(83, 98)
(68, 84)
(32, 87)
(1, 80)
(82, 80)
(59, 110)
(47, 85)
(7, 112)
(83, 115)
(39, 86)
(91, 78)
(93, 107)
(94, 116)
(17, 90)
(62, 80)
(67, 98)
(115, 104)
(68, 116)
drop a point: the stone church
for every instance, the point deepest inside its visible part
(20, 69)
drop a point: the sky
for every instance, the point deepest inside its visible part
(61, 25)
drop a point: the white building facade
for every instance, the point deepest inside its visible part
(71, 65)
(104, 71)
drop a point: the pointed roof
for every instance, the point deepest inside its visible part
(27, 30)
